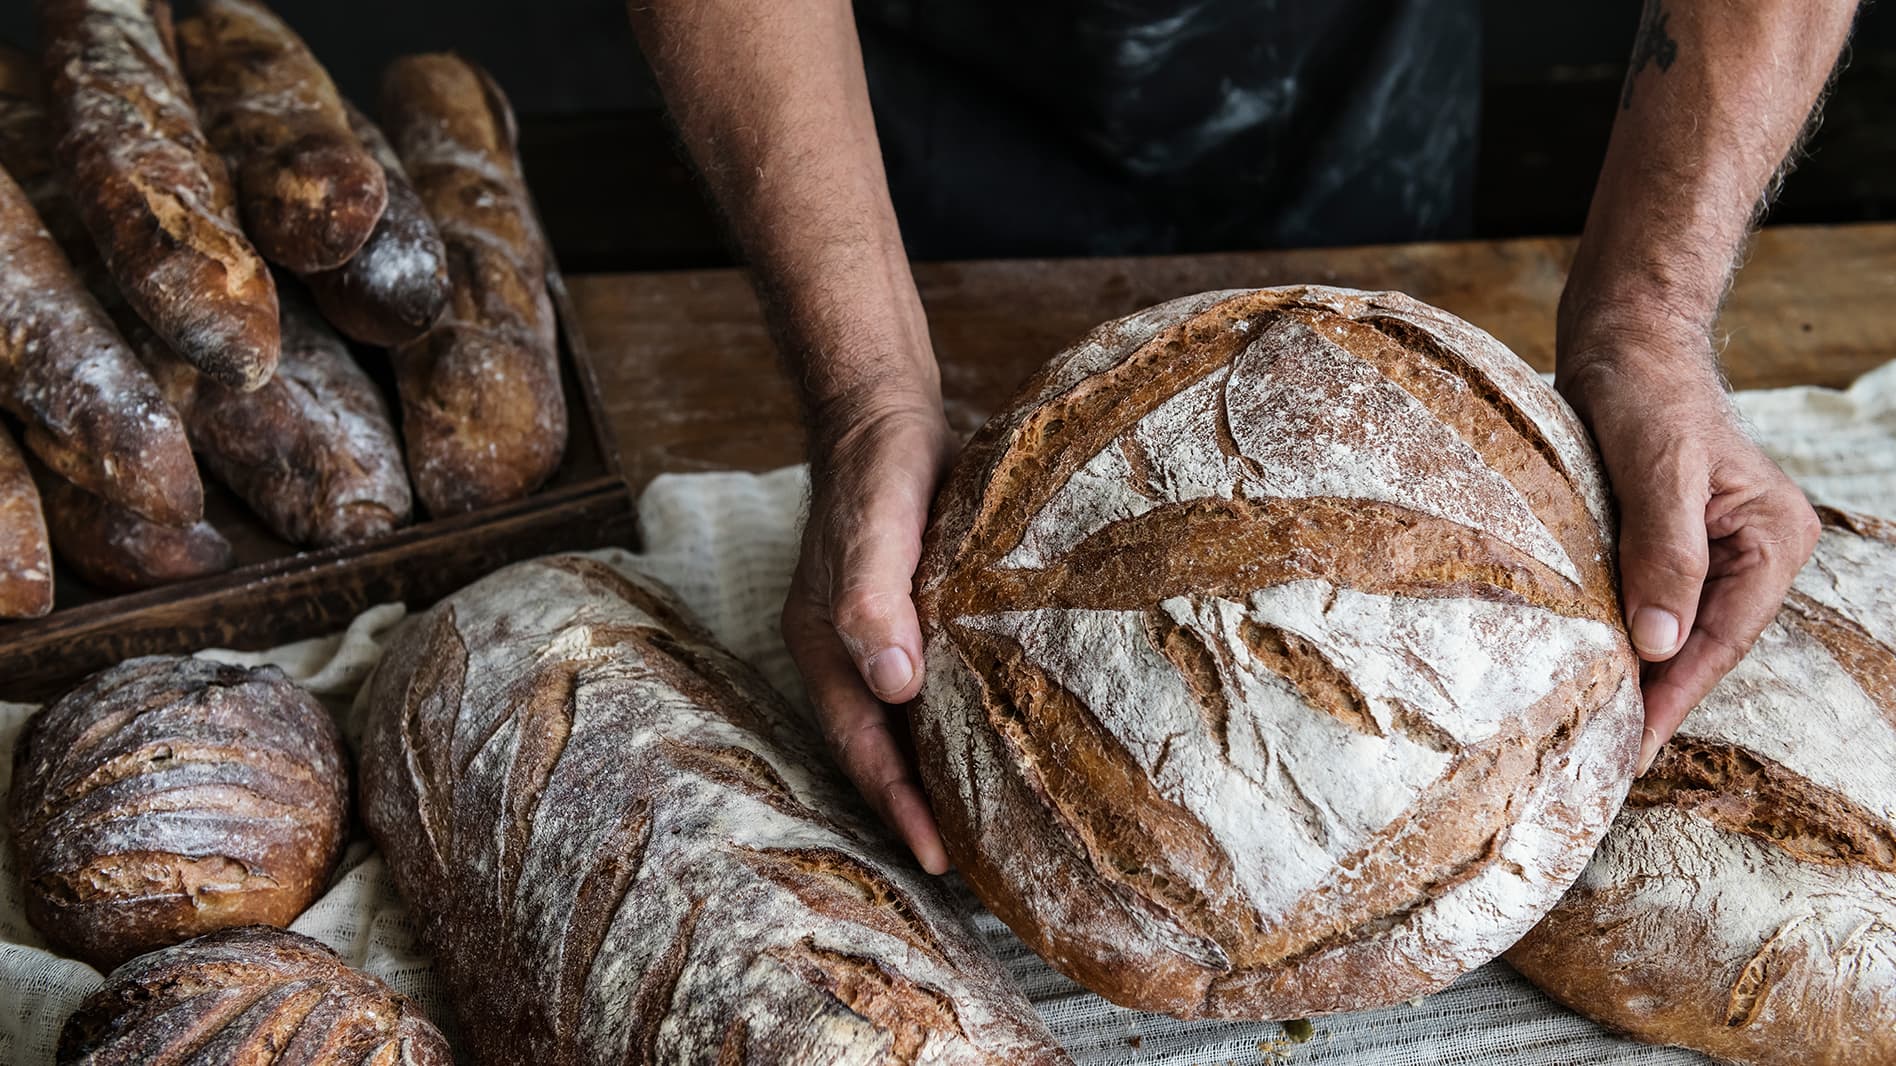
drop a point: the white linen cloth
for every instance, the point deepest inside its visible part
(726, 543)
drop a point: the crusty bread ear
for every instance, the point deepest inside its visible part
(155, 197)
(1741, 904)
(647, 859)
(1274, 661)
(482, 408)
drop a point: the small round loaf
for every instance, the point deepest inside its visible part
(1744, 903)
(1274, 657)
(248, 995)
(170, 796)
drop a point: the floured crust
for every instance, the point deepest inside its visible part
(114, 550)
(1744, 903)
(155, 198)
(1274, 656)
(310, 191)
(392, 290)
(482, 408)
(246, 995)
(314, 453)
(169, 796)
(91, 412)
(26, 563)
(623, 847)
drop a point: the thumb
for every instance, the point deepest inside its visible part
(1663, 557)
(870, 603)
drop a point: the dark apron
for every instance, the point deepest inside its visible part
(1068, 127)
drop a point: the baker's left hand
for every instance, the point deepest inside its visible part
(1711, 531)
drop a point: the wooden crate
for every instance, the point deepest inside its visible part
(277, 593)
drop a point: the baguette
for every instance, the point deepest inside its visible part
(482, 409)
(90, 410)
(114, 550)
(26, 564)
(310, 193)
(313, 452)
(623, 848)
(392, 290)
(248, 996)
(155, 198)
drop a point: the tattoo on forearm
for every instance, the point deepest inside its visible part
(1652, 45)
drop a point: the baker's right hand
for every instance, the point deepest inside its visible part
(850, 619)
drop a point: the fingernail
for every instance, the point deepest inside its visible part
(1655, 631)
(1648, 751)
(889, 671)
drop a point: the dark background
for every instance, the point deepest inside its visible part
(617, 195)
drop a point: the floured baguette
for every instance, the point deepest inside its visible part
(482, 408)
(624, 847)
(309, 191)
(114, 550)
(155, 198)
(26, 562)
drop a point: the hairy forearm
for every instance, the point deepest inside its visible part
(1715, 100)
(771, 101)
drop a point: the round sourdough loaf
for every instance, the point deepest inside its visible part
(1744, 903)
(1274, 657)
(170, 796)
(252, 995)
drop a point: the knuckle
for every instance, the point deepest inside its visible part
(860, 611)
(1675, 559)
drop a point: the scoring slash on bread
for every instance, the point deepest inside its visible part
(1744, 903)
(1274, 658)
(154, 196)
(170, 796)
(90, 410)
(623, 846)
(115, 550)
(26, 563)
(392, 290)
(482, 408)
(309, 190)
(248, 995)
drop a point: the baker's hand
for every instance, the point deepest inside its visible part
(1711, 531)
(849, 620)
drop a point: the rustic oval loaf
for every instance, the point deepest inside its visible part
(170, 796)
(622, 849)
(1744, 903)
(1274, 659)
(248, 995)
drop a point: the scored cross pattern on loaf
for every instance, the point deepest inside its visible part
(1744, 903)
(624, 848)
(1274, 656)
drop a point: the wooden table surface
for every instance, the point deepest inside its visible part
(690, 380)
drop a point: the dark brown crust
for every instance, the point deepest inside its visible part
(392, 290)
(482, 409)
(166, 797)
(155, 198)
(26, 562)
(1112, 858)
(91, 412)
(501, 736)
(114, 550)
(310, 192)
(249, 995)
(314, 452)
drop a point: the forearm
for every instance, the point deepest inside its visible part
(771, 101)
(1716, 97)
